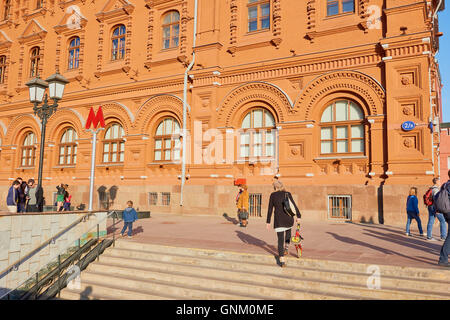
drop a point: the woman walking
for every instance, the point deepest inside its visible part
(412, 211)
(283, 222)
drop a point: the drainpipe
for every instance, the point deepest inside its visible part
(432, 57)
(183, 164)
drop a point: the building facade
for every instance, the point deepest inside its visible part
(313, 91)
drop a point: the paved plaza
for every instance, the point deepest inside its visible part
(340, 241)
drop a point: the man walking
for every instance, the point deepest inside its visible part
(34, 197)
(445, 250)
(432, 214)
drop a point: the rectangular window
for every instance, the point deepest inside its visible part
(258, 15)
(335, 7)
(340, 207)
(165, 198)
(255, 200)
(152, 198)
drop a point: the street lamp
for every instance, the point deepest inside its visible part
(55, 83)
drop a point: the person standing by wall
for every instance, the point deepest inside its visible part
(282, 221)
(242, 205)
(60, 197)
(432, 214)
(412, 211)
(35, 197)
(445, 249)
(12, 198)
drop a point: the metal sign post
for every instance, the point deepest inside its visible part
(94, 119)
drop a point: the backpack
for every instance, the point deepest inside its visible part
(442, 202)
(428, 197)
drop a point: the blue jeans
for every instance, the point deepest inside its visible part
(431, 216)
(128, 225)
(445, 250)
(415, 216)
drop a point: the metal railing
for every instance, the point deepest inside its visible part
(56, 265)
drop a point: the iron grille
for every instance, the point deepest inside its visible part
(153, 198)
(340, 206)
(255, 204)
(165, 198)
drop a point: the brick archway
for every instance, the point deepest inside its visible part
(353, 82)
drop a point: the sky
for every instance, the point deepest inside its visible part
(444, 59)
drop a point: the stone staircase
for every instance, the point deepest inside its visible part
(133, 270)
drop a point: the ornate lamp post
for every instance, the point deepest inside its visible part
(37, 87)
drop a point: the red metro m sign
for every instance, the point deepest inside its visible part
(95, 119)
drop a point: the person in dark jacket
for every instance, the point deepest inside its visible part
(12, 198)
(283, 222)
(129, 216)
(412, 211)
(445, 249)
(23, 190)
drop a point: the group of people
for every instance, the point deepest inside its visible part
(24, 196)
(63, 198)
(283, 221)
(412, 211)
(27, 196)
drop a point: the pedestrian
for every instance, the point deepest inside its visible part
(282, 221)
(432, 214)
(21, 204)
(67, 199)
(129, 216)
(34, 196)
(12, 198)
(412, 211)
(445, 249)
(60, 197)
(242, 205)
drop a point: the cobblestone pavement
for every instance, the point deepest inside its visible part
(328, 240)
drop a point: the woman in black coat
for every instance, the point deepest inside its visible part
(282, 221)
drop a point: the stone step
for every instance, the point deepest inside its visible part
(134, 283)
(112, 291)
(438, 274)
(237, 280)
(233, 283)
(143, 258)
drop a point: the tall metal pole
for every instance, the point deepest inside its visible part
(41, 151)
(91, 186)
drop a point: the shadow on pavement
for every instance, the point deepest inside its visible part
(248, 239)
(233, 220)
(377, 248)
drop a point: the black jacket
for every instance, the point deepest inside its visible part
(281, 218)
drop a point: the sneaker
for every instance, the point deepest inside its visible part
(408, 234)
(130, 237)
(444, 264)
(431, 239)
(422, 235)
(122, 235)
(442, 239)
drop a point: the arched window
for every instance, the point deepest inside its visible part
(2, 68)
(342, 128)
(118, 42)
(28, 150)
(74, 53)
(258, 136)
(258, 15)
(114, 144)
(68, 147)
(34, 62)
(171, 30)
(166, 147)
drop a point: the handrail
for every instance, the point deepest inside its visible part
(16, 264)
(20, 214)
(52, 239)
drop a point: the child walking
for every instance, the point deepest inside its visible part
(129, 216)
